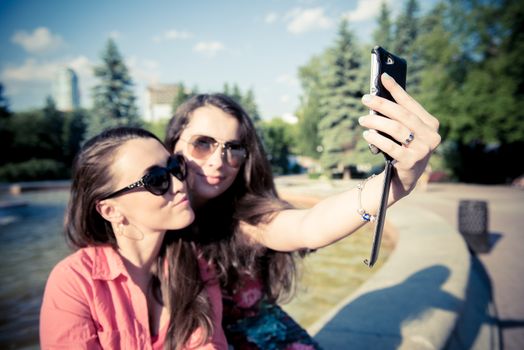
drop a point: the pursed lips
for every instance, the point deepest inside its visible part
(180, 200)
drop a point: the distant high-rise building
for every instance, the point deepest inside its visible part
(159, 101)
(66, 93)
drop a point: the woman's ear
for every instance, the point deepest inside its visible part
(108, 209)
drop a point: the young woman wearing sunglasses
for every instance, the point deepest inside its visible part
(130, 285)
(252, 236)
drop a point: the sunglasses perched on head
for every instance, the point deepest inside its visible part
(158, 179)
(202, 147)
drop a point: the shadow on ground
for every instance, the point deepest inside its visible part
(386, 310)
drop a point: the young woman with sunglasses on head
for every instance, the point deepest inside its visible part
(130, 285)
(250, 235)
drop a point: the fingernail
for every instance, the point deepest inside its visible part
(361, 120)
(373, 149)
(366, 98)
(365, 133)
(386, 75)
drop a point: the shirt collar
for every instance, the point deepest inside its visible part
(107, 263)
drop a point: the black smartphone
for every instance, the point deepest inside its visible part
(383, 61)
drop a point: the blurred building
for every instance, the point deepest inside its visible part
(159, 101)
(66, 93)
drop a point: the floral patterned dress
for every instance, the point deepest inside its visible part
(251, 322)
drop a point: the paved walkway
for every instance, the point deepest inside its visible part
(432, 293)
(503, 266)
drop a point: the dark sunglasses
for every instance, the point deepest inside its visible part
(202, 147)
(158, 179)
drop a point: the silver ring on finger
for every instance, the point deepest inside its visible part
(410, 138)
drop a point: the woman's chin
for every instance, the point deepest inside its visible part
(183, 220)
(207, 190)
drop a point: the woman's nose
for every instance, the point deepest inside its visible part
(217, 157)
(177, 185)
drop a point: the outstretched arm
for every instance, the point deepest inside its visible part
(336, 217)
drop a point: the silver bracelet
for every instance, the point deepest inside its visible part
(361, 211)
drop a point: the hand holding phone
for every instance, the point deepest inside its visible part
(383, 61)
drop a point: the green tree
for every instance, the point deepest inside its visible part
(278, 139)
(114, 100)
(182, 94)
(233, 91)
(406, 29)
(27, 127)
(250, 105)
(42, 143)
(6, 135)
(486, 126)
(73, 130)
(4, 104)
(383, 34)
(246, 100)
(342, 87)
(309, 142)
(309, 112)
(405, 44)
(440, 55)
(51, 135)
(157, 127)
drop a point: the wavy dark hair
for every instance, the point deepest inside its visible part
(252, 198)
(84, 226)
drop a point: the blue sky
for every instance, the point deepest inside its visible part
(255, 44)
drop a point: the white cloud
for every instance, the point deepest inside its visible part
(115, 34)
(81, 65)
(365, 10)
(36, 78)
(151, 64)
(30, 70)
(210, 48)
(287, 79)
(143, 71)
(290, 118)
(172, 34)
(41, 40)
(305, 20)
(83, 68)
(271, 18)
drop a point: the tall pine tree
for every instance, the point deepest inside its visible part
(383, 34)
(250, 105)
(405, 45)
(309, 112)
(114, 100)
(406, 29)
(342, 88)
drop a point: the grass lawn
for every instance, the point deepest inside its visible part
(332, 273)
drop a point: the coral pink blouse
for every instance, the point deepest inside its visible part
(90, 302)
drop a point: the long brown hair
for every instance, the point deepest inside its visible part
(190, 308)
(252, 198)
